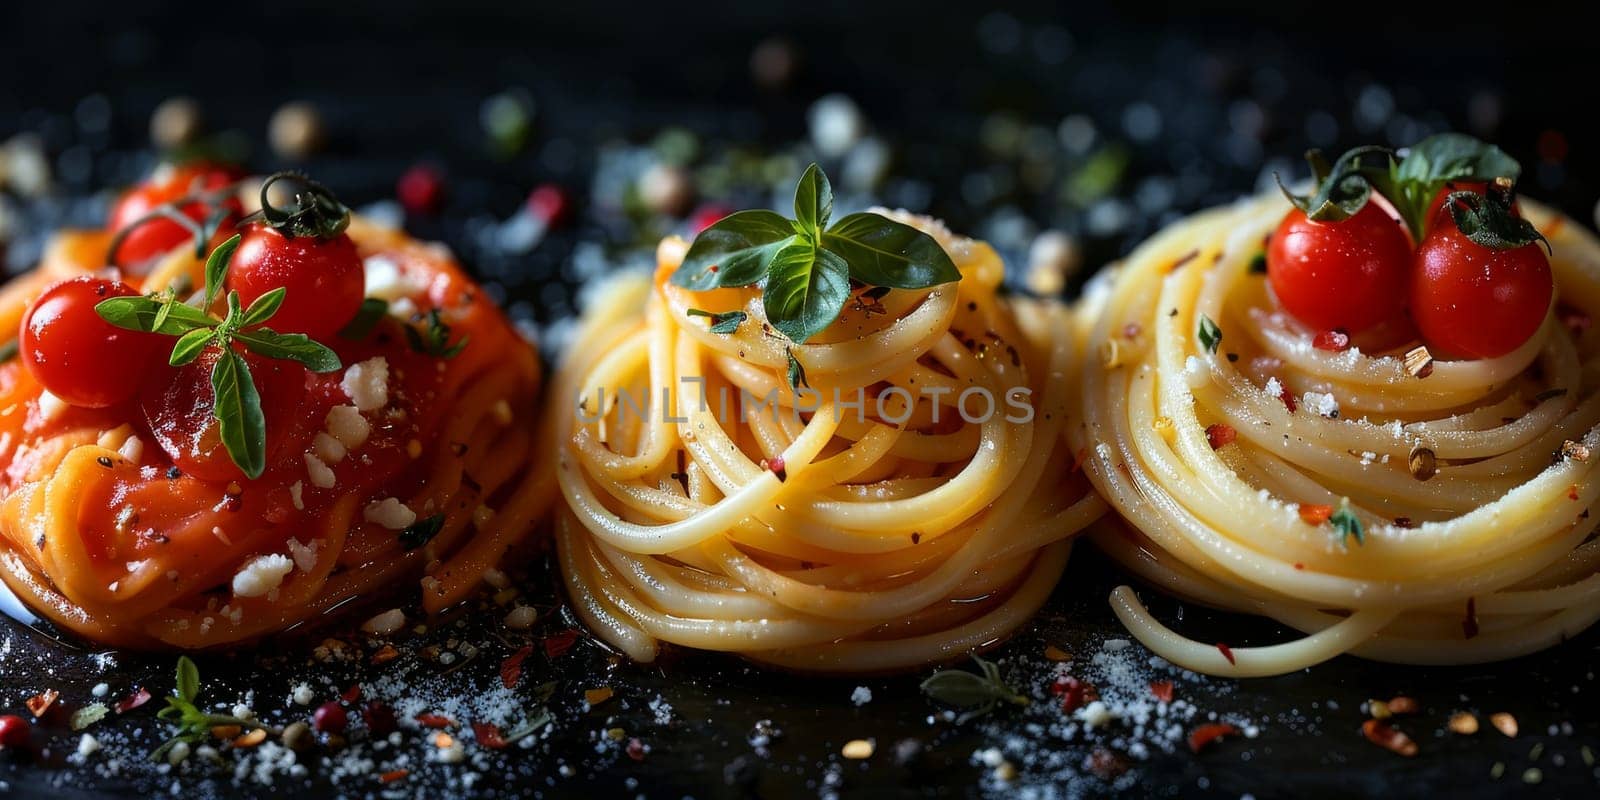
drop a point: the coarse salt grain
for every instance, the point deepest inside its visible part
(861, 696)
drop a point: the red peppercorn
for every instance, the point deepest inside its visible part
(550, 203)
(1336, 340)
(380, 718)
(1220, 435)
(706, 216)
(421, 190)
(330, 718)
(14, 731)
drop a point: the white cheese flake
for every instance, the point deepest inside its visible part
(346, 424)
(327, 448)
(367, 383)
(390, 513)
(261, 575)
(321, 476)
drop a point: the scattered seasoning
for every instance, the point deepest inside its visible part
(139, 697)
(1204, 735)
(1258, 263)
(511, 668)
(1419, 362)
(595, 697)
(1378, 709)
(379, 718)
(1469, 626)
(1536, 752)
(1287, 397)
(858, 749)
(297, 736)
(1575, 451)
(1463, 723)
(636, 749)
(330, 717)
(776, 466)
(1074, 693)
(351, 694)
(1314, 515)
(488, 734)
(1220, 435)
(88, 715)
(1497, 771)
(1422, 463)
(435, 721)
(394, 775)
(1533, 776)
(251, 739)
(1056, 654)
(1185, 259)
(1227, 652)
(1504, 723)
(1104, 764)
(1162, 690)
(1336, 340)
(41, 702)
(1347, 524)
(1404, 705)
(1587, 753)
(1576, 320)
(1384, 735)
(1210, 335)
(557, 644)
(979, 694)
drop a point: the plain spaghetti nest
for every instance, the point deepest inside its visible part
(897, 491)
(1395, 508)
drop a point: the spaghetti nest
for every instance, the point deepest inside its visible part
(711, 505)
(1460, 496)
(100, 533)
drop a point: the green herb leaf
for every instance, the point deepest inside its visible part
(421, 532)
(806, 289)
(735, 251)
(723, 322)
(979, 693)
(263, 307)
(796, 372)
(1347, 524)
(1210, 334)
(292, 346)
(88, 715)
(190, 346)
(883, 252)
(188, 685)
(1446, 157)
(1488, 220)
(372, 311)
(141, 313)
(217, 266)
(1258, 263)
(813, 202)
(237, 409)
(435, 341)
(9, 350)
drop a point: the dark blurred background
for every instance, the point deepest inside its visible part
(1096, 122)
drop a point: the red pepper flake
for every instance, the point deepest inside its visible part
(1299, 566)
(636, 749)
(1105, 764)
(1572, 492)
(351, 694)
(1336, 340)
(1220, 435)
(1576, 320)
(1162, 690)
(1132, 330)
(1074, 693)
(1078, 459)
(1287, 397)
(776, 465)
(1469, 626)
(511, 668)
(435, 721)
(488, 735)
(557, 644)
(132, 701)
(1384, 735)
(41, 702)
(394, 775)
(1177, 265)
(1227, 652)
(1204, 735)
(1315, 514)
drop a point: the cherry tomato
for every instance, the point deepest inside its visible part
(14, 731)
(324, 277)
(169, 183)
(177, 404)
(1350, 274)
(1478, 302)
(78, 356)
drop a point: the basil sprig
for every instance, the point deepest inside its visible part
(806, 265)
(1410, 184)
(183, 710)
(236, 404)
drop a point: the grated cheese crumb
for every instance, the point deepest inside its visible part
(1322, 403)
(327, 448)
(321, 476)
(261, 575)
(367, 383)
(297, 495)
(390, 513)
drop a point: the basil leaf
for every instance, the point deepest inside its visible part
(139, 314)
(188, 679)
(796, 372)
(217, 267)
(9, 350)
(372, 312)
(190, 346)
(1343, 189)
(721, 321)
(263, 307)
(1446, 157)
(813, 202)
(420, 532)
(882, 252)
(1488, 220)
(1210, 335)
(88, 715)
(293, 346)
(237, 409)
(806, 289)
(969, 690)
(436, 341)
(735, 251)
(163, 313)
(1347, 524)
